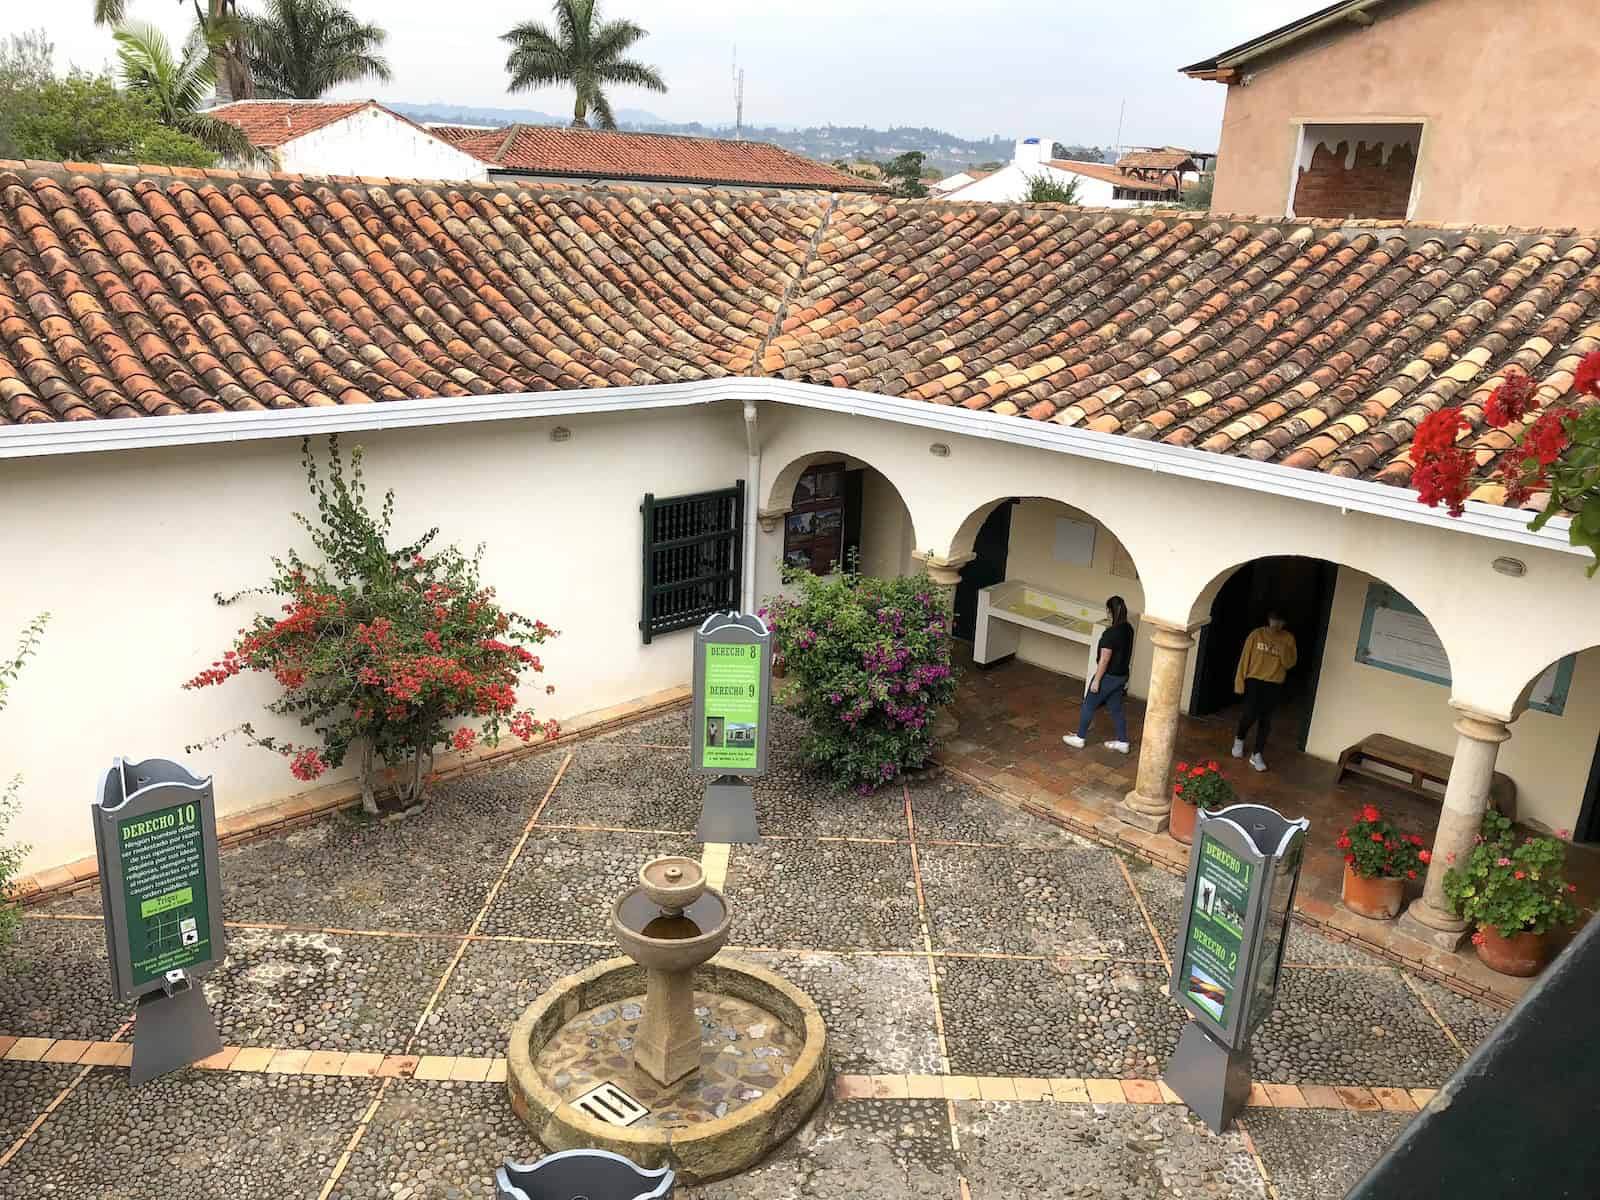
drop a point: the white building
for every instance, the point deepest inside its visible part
(348, 137)
(1100, 185)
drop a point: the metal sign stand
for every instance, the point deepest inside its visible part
(155, 833)
(1244, 870)
(730, 720)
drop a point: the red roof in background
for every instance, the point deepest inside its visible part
(1110, 174)
(270, 123)
(662, 157)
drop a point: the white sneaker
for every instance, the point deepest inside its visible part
(1238, 748)
(1119, 747)
(1258, 762)
(1072, 740)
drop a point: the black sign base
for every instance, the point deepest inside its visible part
(171, 1030)
(1211, 1079)
(729, 812)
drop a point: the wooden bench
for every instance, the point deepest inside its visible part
(1423, 767)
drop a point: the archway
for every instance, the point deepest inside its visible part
(1553, 753)
(827, 509)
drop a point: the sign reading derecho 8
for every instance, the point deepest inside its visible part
(732, 694)
(156, 839)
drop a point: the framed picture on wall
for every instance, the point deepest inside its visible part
(824, 521)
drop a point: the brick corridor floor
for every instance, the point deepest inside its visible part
(993, 986)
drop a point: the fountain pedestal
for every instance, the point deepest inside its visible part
(668, 1041)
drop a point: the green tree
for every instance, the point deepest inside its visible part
(11, 856)
(583, 51)
(84, 118)
(1198, 193)
(1046, 189)
(24, 69)
(303, 48)
(219, 28)
(177, 87)
(903, 174)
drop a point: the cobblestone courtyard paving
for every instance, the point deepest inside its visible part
(993, 986)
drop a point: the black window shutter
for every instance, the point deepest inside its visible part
(693, 558)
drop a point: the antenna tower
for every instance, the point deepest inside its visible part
(738, 95)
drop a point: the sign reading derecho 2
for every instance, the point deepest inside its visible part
(732, 694)
(1243, 873)
(156, 838)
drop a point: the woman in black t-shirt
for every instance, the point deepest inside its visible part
(1110, 682)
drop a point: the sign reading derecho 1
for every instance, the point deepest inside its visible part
(1239, 899)
(156, 839)
(732, 694)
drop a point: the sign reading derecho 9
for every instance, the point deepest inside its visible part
(156, 839)
(1238, 903)
(732, 693)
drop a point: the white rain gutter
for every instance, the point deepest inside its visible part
(1293, 483)
(752, 502)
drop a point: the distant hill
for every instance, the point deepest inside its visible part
(825, 143)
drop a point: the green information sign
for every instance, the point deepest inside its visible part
(730, 725)
(1210, 974)
(163, 861)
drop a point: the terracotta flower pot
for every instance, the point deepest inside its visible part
(1377, 898)
(1181, 823)
(1522, 954)
(779, 667)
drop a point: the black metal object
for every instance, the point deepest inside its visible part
(582, 1175)
(693, 558)
(728, 812)
(1518, 1117)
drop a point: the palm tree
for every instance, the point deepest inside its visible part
(583, 51)
(219, 24)
(302, 48)
(178, 87)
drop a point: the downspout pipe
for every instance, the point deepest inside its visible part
(752, 503)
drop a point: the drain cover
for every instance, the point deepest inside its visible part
(610, 1104)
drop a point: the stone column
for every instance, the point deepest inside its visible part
(1148, 805)
(1466, 796)
(945, 573)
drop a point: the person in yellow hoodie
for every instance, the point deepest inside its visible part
(1264, 663)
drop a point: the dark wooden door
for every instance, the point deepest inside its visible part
(987, 568)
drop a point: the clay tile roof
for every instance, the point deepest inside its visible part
(1314, 344)
(1166, 159)
(1111, 175)
(662, 158)
(271, 123)
(483, 141)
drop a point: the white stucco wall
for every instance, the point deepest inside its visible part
(1548, 756)
(126, 549)
(1010, 184)
(375, 142)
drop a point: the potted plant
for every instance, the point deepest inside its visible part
(1513, 894)
(1196, 787)
(1378, 860)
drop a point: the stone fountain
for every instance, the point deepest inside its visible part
(673, 1055)
(669, 925)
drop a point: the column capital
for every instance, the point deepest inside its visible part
(1480, 726)
(768, 518)
(1170, 635)
(946, 572)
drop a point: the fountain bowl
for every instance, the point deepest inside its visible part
(662, 941)
(673, 882)
(699, 1151)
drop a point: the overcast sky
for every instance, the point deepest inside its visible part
(1053, 68)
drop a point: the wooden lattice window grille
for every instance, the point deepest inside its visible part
(693, 558)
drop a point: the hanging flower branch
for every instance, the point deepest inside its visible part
(1556, 457)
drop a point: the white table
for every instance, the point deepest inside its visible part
(1006, 609)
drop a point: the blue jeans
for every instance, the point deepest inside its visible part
(1112, 690)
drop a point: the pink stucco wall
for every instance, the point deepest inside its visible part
(1507, 92)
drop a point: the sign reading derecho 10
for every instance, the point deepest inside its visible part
(732, 695)
(156, 838)
(1238, 903)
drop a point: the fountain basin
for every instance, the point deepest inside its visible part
(700, 1150)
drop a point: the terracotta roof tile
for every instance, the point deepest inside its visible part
(647, 157)
(125, 294)
(271, 123)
